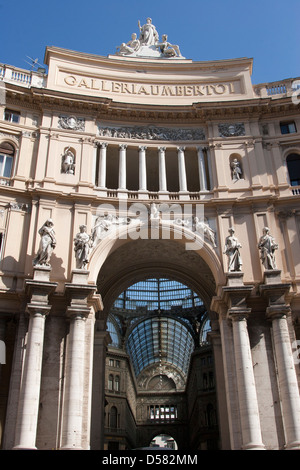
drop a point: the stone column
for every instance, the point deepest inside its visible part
(209, 167)
(102, 339)
(277, 312)
(162, 169)
(2, 342)
(79, 292)
(181, 170)
(214, 336)
(39, 288)
(142, 168)
(249, 413)
(102, 166)
(122, 166)
(236, 294)
(202, 169)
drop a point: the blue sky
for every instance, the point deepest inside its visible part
(267, 31)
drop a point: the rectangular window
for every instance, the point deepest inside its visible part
(162, 413)
(11, 116)
(5, 165)
(288, 127)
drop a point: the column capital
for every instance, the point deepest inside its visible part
(103, 145)
(38, 310)
(181, 149)
(143, 147)
(123, 146)
(39, 288)
(238, 315)
(79, 292)
(277, 312)
(275, 292)
(161, 149)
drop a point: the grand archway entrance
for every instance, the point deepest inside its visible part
(159, 373)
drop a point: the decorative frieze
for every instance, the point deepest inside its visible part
(18, 206)
(231, 130)
(152, 133)
(71, 122)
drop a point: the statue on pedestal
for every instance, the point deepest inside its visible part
(148, 33)
(267, 247)
(232, 250)
(47, 244)
(148, 45)
(168, 49)
(131, 46)
(82, 245)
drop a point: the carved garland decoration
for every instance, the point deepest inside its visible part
(152, 133)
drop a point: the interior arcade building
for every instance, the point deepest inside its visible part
(161, 364)
(149, 252)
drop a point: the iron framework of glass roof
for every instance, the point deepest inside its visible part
(158, 294)
(155, 336)
(157, 340)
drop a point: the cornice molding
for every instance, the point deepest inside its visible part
(104, 108)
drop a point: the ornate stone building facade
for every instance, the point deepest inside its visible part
(150, 270)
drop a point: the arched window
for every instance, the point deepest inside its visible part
(210, 415)
(113, 419)
(110, 382)
(117, 383)
(7, 152)
(293, 166)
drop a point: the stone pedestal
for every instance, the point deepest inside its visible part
(235, 294)
(277, 311)
(39, 289)
(79, 292)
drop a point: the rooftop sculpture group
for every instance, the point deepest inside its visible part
(148, 44)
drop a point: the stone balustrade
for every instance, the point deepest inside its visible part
(277, 89)
(24, 78)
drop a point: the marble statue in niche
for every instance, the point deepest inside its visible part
(236, 170)
(267, 247)
(47, 244)
(232, 250)
(68, 162)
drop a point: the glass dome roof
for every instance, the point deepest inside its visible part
(158, 294)
(160, 340)
(156, 332)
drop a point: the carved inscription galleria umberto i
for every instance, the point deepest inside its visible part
(127, 88)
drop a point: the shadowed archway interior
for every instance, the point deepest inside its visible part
(156, 297)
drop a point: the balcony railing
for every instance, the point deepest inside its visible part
(277, 89)
(5, 181)
(153, 195)
(24, 78)
(296, 190)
